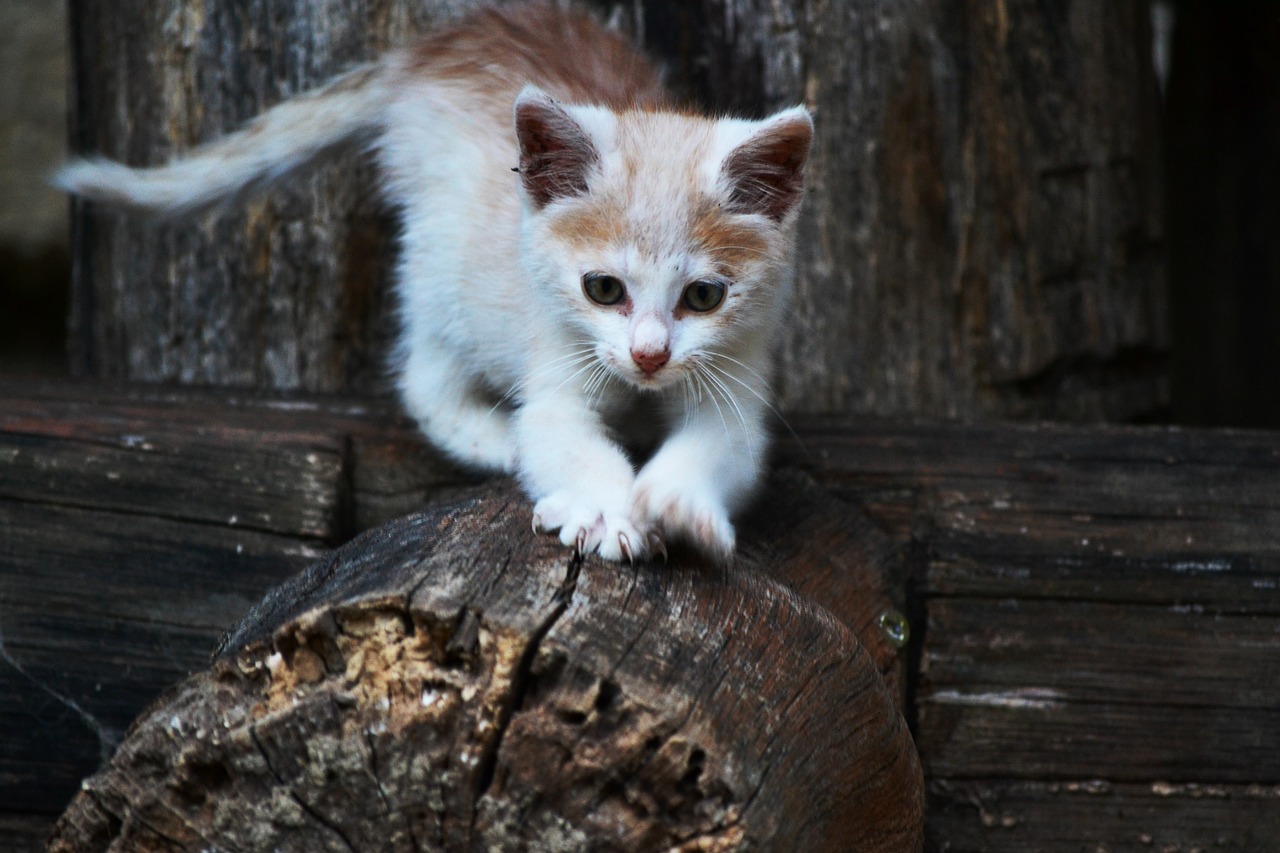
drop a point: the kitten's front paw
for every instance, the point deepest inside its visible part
(694, 515)
(586, 527)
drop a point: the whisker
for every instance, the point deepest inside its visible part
(596, 384)
(589, 384)
(758, 395)
(732, 401)
(572, 376)
(686, 386)
(742, 364)
(702, 377)
(583, 351)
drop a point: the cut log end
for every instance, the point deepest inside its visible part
(450, 682)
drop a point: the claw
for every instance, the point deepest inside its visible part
(657, 546)
(537, 524)
(624, 544)
(580, 544)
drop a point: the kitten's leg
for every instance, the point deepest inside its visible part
(439, 394)
(579, 479)
(706, 469)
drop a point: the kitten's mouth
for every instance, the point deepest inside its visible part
(657, 380)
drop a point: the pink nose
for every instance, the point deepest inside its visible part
(650, 361)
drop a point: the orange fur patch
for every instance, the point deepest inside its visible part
(732, 244)
(593, 222)
(567, 53)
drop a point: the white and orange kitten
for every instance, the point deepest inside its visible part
(633, 252)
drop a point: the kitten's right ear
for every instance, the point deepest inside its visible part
(556, 154)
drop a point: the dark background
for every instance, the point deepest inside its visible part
(1222, 191)
(1222, 131)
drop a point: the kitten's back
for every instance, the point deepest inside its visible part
(488, 57)
(567, 53)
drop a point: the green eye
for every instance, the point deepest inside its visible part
(603, 289)
(703, 295)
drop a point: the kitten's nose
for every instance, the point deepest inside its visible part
(650, 360)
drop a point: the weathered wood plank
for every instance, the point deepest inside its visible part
(135, 526)
(24, 833)
(286, 459)
(1097, 604)
(184, 461)
(394, 472)
(280, 490)
(996, 816)
(1026, 733)
(99, 612)
(1122, 514)
(53, 557)
(1085, 651)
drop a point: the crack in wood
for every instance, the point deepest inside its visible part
(487, 765)
(306, 807)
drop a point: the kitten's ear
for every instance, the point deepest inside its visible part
(556, 154)
(766, 172)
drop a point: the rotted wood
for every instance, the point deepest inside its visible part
(451, 681)
(137, 523)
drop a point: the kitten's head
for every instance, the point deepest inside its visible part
(664, 239)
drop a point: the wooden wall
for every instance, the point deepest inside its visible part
(982, 236)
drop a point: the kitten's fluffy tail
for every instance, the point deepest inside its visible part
(271, 146)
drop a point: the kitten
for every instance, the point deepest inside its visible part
(635, 252)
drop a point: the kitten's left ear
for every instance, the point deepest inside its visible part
(556, 154)
(766, 172)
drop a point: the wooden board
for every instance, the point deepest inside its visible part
(1101, 624)
(1095, 611)
(135, 527)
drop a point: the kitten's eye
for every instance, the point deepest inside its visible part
(603, 289)
(703, 295)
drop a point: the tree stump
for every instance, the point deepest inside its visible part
(451, 681)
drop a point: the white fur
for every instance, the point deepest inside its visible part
(502, 360)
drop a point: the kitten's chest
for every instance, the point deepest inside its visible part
(640, 420)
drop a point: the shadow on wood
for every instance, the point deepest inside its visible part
(449, 681)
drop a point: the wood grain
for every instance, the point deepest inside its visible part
(981, 239)
(139, 522)
(452, 681)
(996, 816)
(1093, 610)
(1101, 614)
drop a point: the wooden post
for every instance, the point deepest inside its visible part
(982, 236)
(453, 682)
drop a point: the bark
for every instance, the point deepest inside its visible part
(452, 682)
(982, 236)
